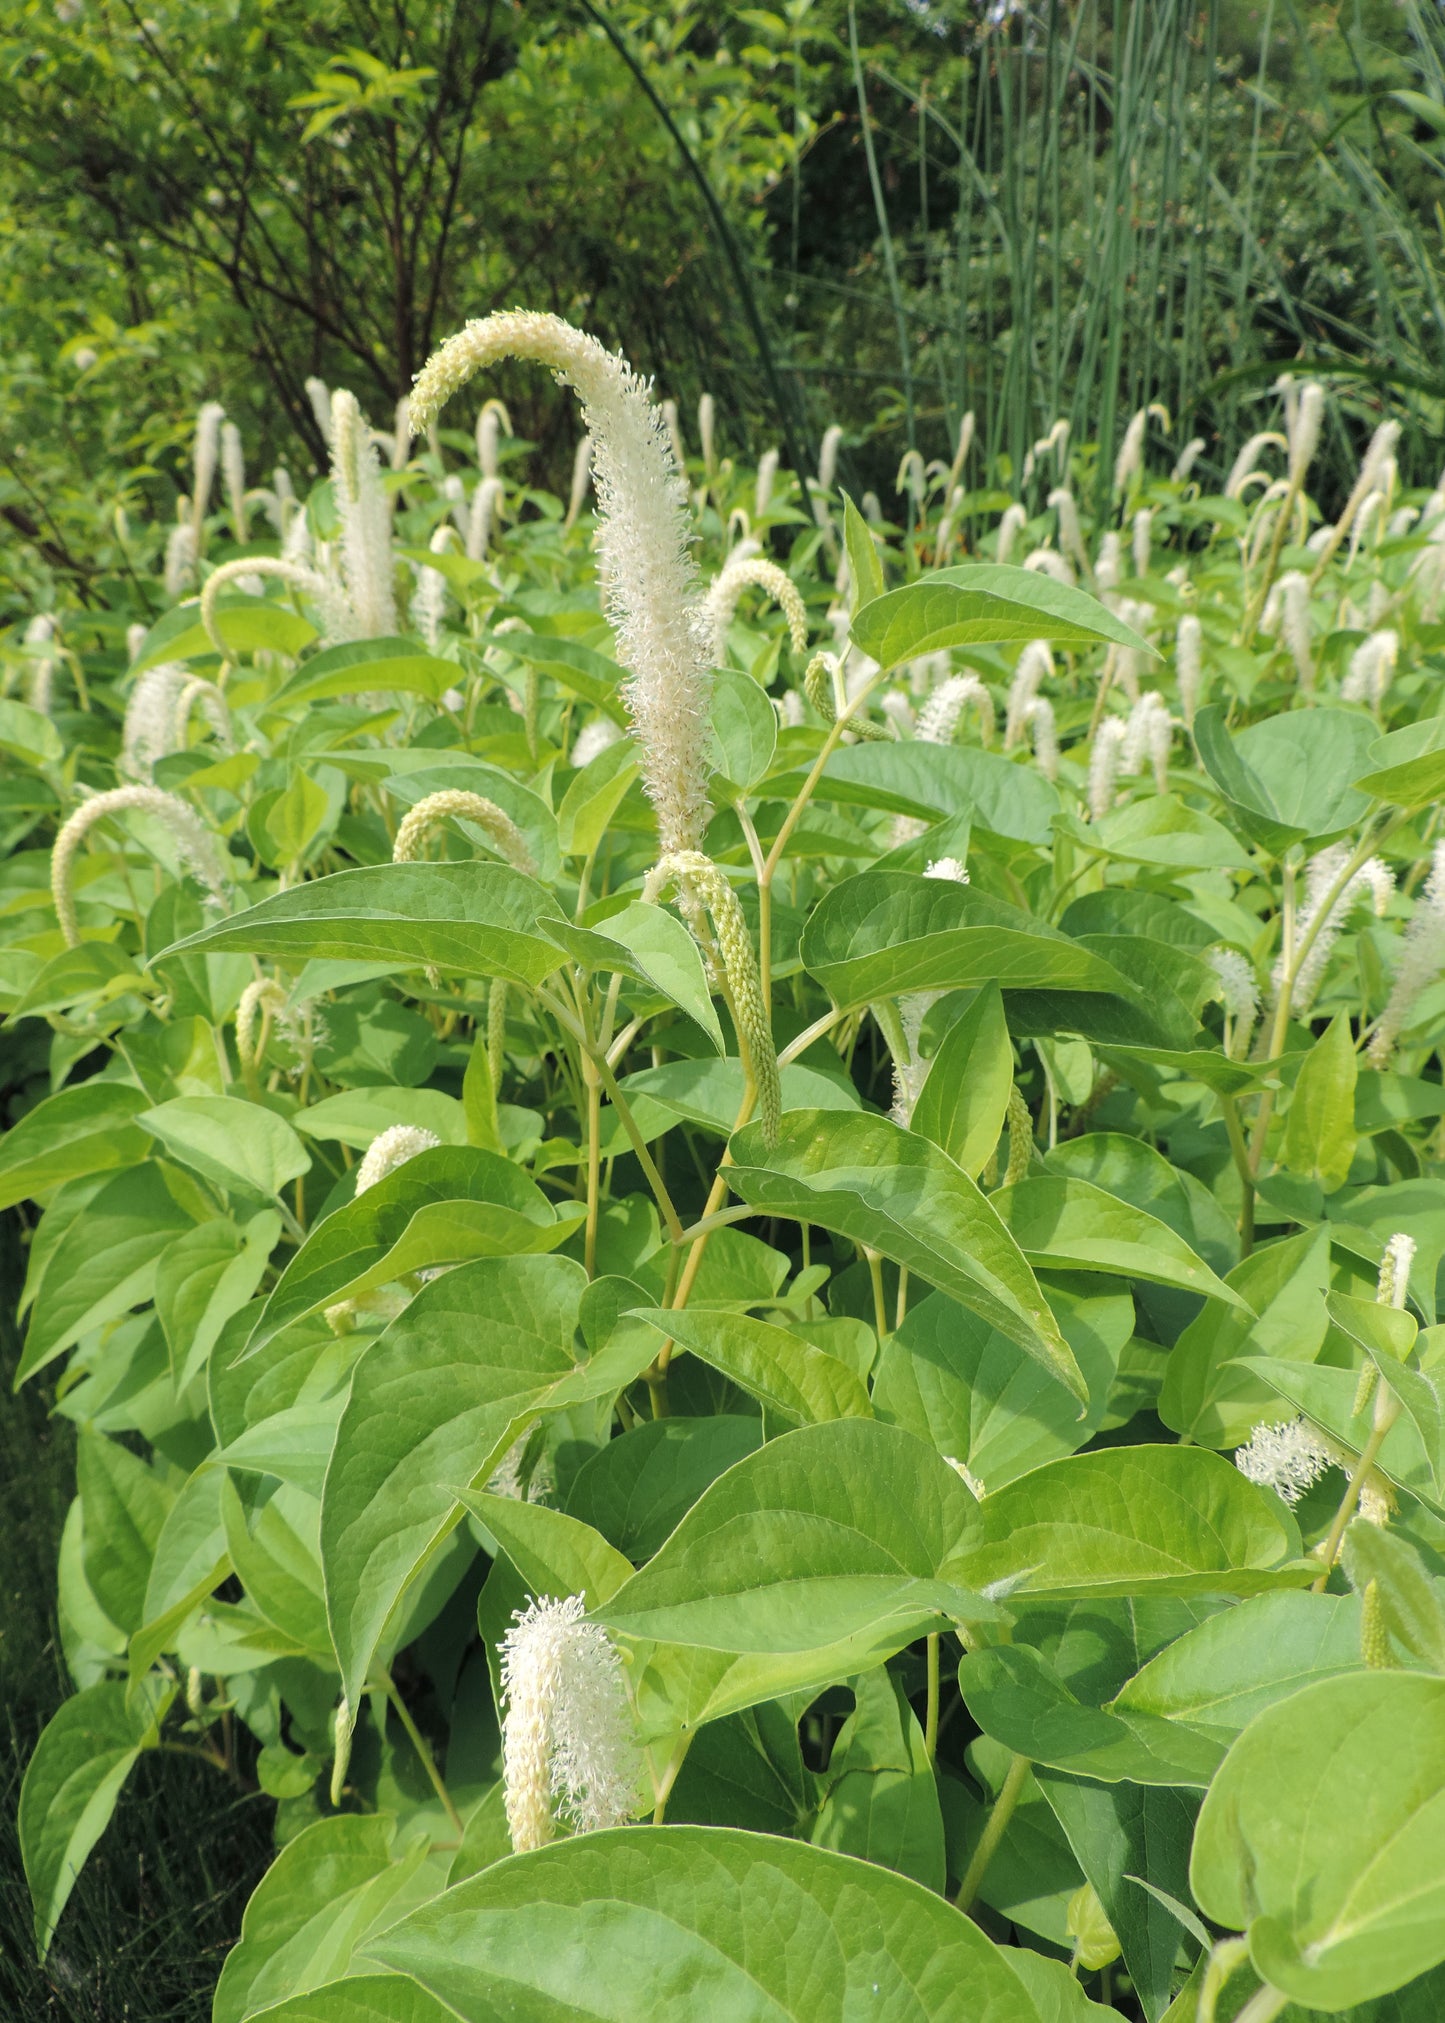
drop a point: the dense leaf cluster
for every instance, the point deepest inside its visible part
(1005, 1493)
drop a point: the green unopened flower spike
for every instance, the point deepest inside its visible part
(1020, 1137)
(1376, 1651)
(755, 571)
(454, 803)
(341, 1748)
(820, 685)
(700, 881)
(642, 544)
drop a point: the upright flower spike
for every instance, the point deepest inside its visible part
(1245, 465)
(490, 422)
(392, 1148)
(233, 475)
(485, 514)
(767, 478)
(1421, 960)
(1294, 607)
(567, 1742)
(1381, 449)
(207, 454)
(1039, 722)
(1321, 873)
(1104, 765)
(828, 456)
(1012, 524)
(1371, 669)
(1189, 456)
(364, 509)
(581, 479)
(191, 837)
(939, 718)
(1035, 664)
(429, 599)
(642, 541)
(319, 395)
(179, 571)
(1142, 539)
(1304, 430)
(1189, 665)
(1071, 534)
(706, 430)
(1129, 463)
(727, 587)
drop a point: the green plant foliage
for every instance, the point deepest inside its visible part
(852, 1415)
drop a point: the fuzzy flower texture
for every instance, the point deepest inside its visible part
(663, 634)
(567, 1745)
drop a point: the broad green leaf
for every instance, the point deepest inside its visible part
(710, 1093)
(572, 665)
(593, 797)
(242, 1148)
(272, 1539)
(1319, 1130)
(1017, 1697)
(882, 1797)
(1164, 830)
(909, 777)
(1328, 1396)
(981, 603)
(555, 1554)
(975, 1395)
(294, 819)
(105, 1263)
(1288, 778)
(479, 1355)
(1407, 768)
(1131, 1521)
(126, 1505)
(356, 1116)
(885, 933)
(1387, 1337)
(334, 1887)
(441, 1207)
(85, 1129)
(637, 1488)
(865, 568)
(744, 732)
(964, 1098)
(830, 1533)
(28, 734)
(1237, 1663)
(204, 1277)
(1323, 1838)
(1071, 1224)
(664, 1923)
(1118, 1834)
(364, 1998)
(1206, 1393)
(71, 1785)
(477, 919)
(247, 624)
(800, 1383)
(649, 943)
(188, 1564)
(866, 1178)
(369, 666)
(1412, 1603)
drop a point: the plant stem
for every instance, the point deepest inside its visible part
(880, 1299)
(1263, 2004)
(428, 1761)
(1350, 1500)
(1229, 1109)
(993, 1832)
(669, 1776)
(594, 1163)
(930, 1718)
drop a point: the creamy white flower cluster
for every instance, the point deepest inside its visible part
(567, 1744)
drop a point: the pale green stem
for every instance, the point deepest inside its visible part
(1349, 1502)
(993, 1832)
(930, 1718)
(428, 1761)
